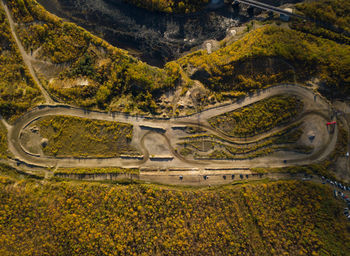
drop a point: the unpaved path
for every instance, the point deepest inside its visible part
(26, 58)
(318, 107)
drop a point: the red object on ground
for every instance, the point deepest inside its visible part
(329, 123)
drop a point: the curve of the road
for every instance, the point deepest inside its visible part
(315, 105)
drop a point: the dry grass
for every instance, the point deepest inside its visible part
(79, 137)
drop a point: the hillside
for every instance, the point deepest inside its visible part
(18, 92)
(270, 55)
(78, 68)
(276, 218)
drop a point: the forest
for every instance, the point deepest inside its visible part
(330, 12)
(326, 19)
(79, 218)
(18, 92)
(286, 55)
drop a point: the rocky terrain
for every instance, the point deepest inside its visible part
(154, 37)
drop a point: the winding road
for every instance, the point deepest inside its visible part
(146, 129)
(320, 108)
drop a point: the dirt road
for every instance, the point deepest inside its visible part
(26, 58)
(143, 126)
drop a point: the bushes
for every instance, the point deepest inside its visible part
(286, 54)
(258, 117)
(327, 19)
(206, 146)
(333, 13)
(276, 218)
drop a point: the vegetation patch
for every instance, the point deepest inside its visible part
(18, 92)
(328, 19)
(286, 54)
(96, 171)
(276, 218)
(266, 202)
(80, 137)
(214, 147)
(326, 168)
(9, 175)
(95, 74)
(258, 117)
(3, 141)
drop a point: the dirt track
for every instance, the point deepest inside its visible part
(157, 136)
(144, 127)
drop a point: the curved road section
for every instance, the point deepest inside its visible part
(146, 129)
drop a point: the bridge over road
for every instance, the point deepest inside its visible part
(268, 7)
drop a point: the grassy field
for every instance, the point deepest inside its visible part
(95, 170)
(79, 137)
(78, 218)
(258, 117)
(18, 92)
